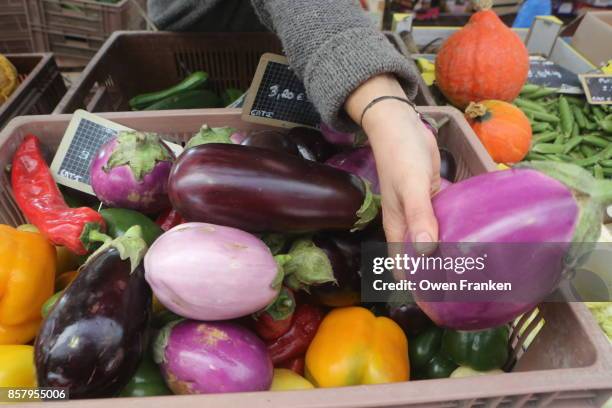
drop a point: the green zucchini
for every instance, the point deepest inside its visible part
(196, 99)
(192, 82)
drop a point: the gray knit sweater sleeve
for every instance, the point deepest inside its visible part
(331, 44)
(333, 47)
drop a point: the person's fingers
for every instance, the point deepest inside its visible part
(422, 226)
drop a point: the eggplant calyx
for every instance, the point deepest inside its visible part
(281, 260)
(139, 151)
(130, 246)
(307, 265)
(592, 197)
(161, 341)
(368, 210)
(91, 236)
(276, 242)
(211, 135)
(282, 307)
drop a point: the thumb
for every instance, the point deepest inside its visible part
(422, 226)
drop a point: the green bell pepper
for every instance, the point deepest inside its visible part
(147, 381)
(480, 350)
(426, 357)
(119, 220)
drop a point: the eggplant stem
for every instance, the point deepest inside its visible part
(368, 210)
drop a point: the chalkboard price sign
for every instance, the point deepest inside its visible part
(546, 73)
(598, 88)
(277, 97)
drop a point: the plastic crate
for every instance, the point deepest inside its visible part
(40, 90)
(131, 63)
(76, 29)
(86, 17)
(569, 363)
(14, 32)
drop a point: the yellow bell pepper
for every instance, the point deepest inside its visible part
(17, 366)
(352, 346)
(66, 260)
(287, 380)
(27, 275)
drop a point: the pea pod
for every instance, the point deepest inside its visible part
(567, 118)
(575, 130)
(606, 163)
(606, 124)
(588, 151)
(540, 116)
(602, 155)
(576, 155)
(548, 148)
(545, 137)
(598, 113)
(598, 171)
(596, 141)
(527, 104)
(540, 93)
(579, 117)
(531, 156)
(540, 127)
(572, 144)
(529, 89)
(574, 100)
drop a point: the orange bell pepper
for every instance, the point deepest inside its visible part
(352, 347)
(27, 274)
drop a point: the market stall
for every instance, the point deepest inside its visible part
(183, 227)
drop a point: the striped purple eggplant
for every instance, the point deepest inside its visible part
(535, 204)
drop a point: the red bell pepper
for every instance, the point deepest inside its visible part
(295, 342)
(41, 201)
(295, 364)
(169, 219)
(275, 321)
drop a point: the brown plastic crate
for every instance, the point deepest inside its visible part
(131, 63)
(77, 47)
(40, 90)
(86, 17)
(14, 32)
(568, 364)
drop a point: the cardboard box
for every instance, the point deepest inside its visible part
(592, 37)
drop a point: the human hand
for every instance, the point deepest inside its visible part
(407, 161)
(408, 165)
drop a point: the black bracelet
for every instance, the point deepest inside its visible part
(397, 98)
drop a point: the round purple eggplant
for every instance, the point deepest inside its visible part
(359, 161)
(261, 190)
(273, 140)
(311, 144)
(93, 339)
(205, 358)
(131, 171)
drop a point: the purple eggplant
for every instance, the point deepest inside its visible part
(273, 140)
(131, 171)
(359, 161)
(344, 253)
(93, 339)
(409, 317)
(311, 144)
(535, 205)
(260, 190)
(212, 357)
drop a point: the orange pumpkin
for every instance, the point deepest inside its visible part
(483, 60)
(503, 129)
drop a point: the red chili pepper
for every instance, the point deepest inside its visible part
(295, 342)
(169, 219)
(295, 364)
(41, 202)
(276, 320)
